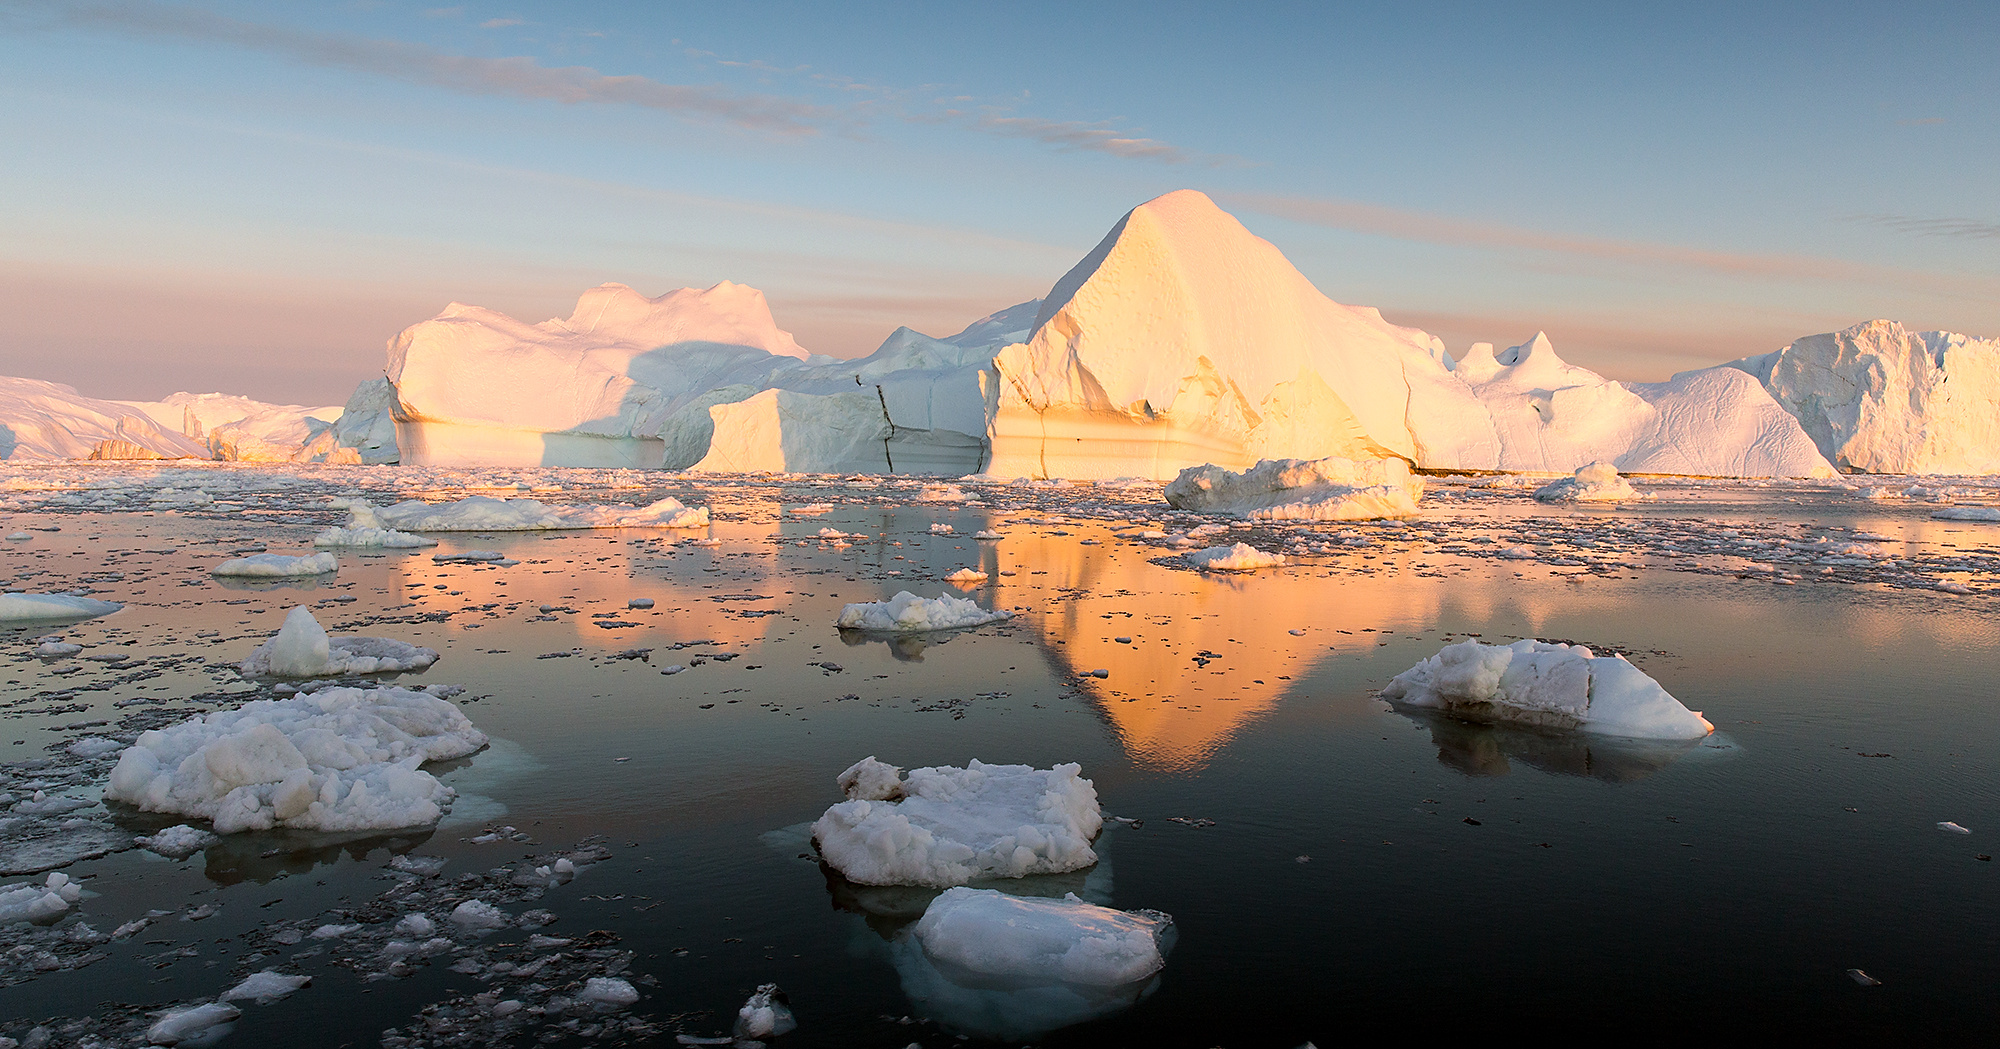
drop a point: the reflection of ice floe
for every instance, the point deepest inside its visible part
(991, 965)
(339, 759)
(1490, 750)
(947, 826)
(263, 857)
(907, 648)
(1549, 685)
(301, 648)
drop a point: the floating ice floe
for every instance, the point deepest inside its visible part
(966, 577)
(365, 530)
(56, 649)
(482, 513)
(1598, 482)
(277, 566)
(30, 608)
(264, 987)
(301, 648)
(1330, 489)
(1968, 513)
(947, 826)
(765, 1015)
(988, 535)
(1011, 968)
(470, 557)
(336, 759)
(38, 901)
(195, 1025)
(1240, 557)
(908, 613)
(177, 842)
(1550, 685)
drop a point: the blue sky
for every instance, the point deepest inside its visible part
(255, 197)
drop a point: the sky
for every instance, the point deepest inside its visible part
(255, 197)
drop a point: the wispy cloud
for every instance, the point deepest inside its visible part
(1429, 228)
(1073, 135)
(500, 23)
(1941, 227)
(518, 77)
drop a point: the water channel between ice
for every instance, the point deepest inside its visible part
(1333, 866)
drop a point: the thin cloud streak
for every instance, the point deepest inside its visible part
(517, 77)
(1944, 227)
(1429, 228)
(1072, 135)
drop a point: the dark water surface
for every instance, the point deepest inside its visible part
(1367, 872)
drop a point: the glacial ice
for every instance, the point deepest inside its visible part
(240, 429)
(335, 759)
(1598, 482)
(1550, 685)
(1237, 557)
(908, 613)
(47, 420)
(1330, 489)
(953, 825)
(301, 648)
(278, 566)
(30, 608)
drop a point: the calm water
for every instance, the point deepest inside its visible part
(1366, 871)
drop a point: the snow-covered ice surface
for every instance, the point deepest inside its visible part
(1547, 685)
(947, 826)
(339, 759)
(1837, 633)
(301, 648)
(907, 613)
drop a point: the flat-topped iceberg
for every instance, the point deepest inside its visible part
(1330, 489)
(277, 566)
(1598, 482)
(907, 613)
(30, 608)
(339, 759)
(301, 648)
(1549, 685)
(947, 826)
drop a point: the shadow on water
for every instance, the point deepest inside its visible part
(1490, 750)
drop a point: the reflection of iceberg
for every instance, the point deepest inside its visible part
(1486, 750)
(268, 856)
(991, 965)
(907, 648)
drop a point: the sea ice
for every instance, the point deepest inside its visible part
(29, 608)
(365, 530)
(908, 613)
(1597, 482)
(966, 577)
(277, 566)
(1240, 557)
(301, 649)
(954, 825)
(33, 902)
(194, 1025)
(482, 513)
(609, 991)
(56, 649)
(991, 933)
(177, 842)
(336, 759)
(765, 1015)
(264, 987)
(1330, 489)
(1968, 513)
(1552, 685)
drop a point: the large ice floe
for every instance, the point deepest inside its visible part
(278, 566)
(366, 531)
(339, 759)
(35, 608)
(482, 513)
(1548, 685)
(1596, 483)
(1331, 489)
(907, 613)
(1876, 398)
(1013, 968)
(947, 826)
(301, 648)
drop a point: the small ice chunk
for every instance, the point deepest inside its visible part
(178, 842)
(476, 915)
(265, 987)
(1952, 828)
(767, 1014)
(301, 648)
(1597, 482)
(415, 927)
(639, 602)
(364, 529)
(987, 534)
(908, 613)
(469, 557)
(93, 747)
(56, 649)
(1240, 557)
(966, 577)
(278, 566)
(38, 901)
(332, 932)
(190, 1025)
(953, 825)
(1552, 685)
(941, 529)
(991, 933)
(609, 991)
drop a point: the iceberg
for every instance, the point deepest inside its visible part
(301, 648)
(1876, 398)
(47, 420)
(1598, 482)
(907, 613)
(947, 826)
(1548, 685)
(240, 429)
(339, 759)
(1330, 489)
